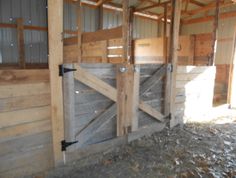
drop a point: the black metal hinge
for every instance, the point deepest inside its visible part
(63, 70)
(65, 144)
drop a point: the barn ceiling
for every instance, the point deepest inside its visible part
(190, 8)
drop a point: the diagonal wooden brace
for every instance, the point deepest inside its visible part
(102, 87)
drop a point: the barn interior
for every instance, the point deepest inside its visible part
(117, 88)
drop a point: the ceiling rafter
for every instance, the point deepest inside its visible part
(100, 2)
(195, 2)
(207, 7)
(159, 4)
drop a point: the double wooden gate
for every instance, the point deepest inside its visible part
(90, 97)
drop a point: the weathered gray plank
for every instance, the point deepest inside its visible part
(97, 123)
(155, 78)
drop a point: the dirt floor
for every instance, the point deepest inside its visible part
(196, 150)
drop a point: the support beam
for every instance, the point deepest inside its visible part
(215, 34)
(195, 2)
(55, 29)
(208, 7)
(231, 99)
(80, 28)
(165, 39)
(20, 42)
(100, 17)
(176, 13)
(127, 80)
(209, 18)
(152, 6)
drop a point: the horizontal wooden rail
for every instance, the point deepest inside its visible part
(32, 27)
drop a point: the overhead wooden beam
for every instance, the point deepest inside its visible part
(208, 7)
(209, 18)
(152, 6)
(20, 43)
(176, 13)
(55, 29)
(101, 2)
(195, 2)
(215, 34)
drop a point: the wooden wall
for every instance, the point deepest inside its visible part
(25, 124)
(194, 91)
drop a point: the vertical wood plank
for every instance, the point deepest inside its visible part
(127, 80)
(69, 106)
(165, 34)
(80, 28)
(55, 29)
(191, 50)
(215, 33)
(125, 31)
(100, 17)
(231, 99)
(134, 104)
(121, 77)
(176, 13)
(20, 42)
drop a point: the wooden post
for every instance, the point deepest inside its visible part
(215, 34)
(168, 71)
(127, 80)
(100, 17)
(232, 78)
(20, 42)
(165, 34)
(80, 29)
(176, 13)
(55, 30)
(192, 50)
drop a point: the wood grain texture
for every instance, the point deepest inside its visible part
(12, 118)
(55, 29)
(20, 42)
(16, 90)
(23, 76)
(24, 102)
